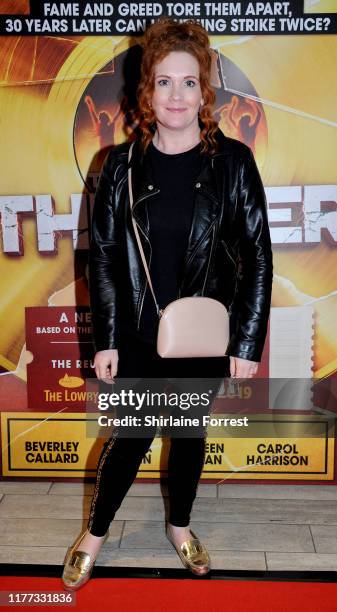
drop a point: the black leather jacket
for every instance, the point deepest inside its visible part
(229, 254)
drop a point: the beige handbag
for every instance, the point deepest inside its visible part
(189, 326)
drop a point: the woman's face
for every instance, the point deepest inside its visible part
(177, 94)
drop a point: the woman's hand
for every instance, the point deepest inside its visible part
(242, 368)
(105, 364)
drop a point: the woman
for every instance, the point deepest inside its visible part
(200, 208)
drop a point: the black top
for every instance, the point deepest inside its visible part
(170, 215)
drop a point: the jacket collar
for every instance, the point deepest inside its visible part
(208, 184)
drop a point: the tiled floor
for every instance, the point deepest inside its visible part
(246, 527)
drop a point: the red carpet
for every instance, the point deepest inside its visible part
(164, 595)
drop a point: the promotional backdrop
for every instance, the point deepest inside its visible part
(67, 87)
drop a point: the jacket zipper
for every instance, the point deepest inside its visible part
(146, 282)
(194, 251)
(147, 195)
(199, 241)
(209, 261)
(236, 276)
(234, 295)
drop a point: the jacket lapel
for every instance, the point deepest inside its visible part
(207, 201)
(143, 187)
(207, 204)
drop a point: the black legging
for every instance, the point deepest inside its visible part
(121, 456)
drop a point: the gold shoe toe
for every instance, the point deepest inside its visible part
(78, 565)
(194, 555)
(77, 570)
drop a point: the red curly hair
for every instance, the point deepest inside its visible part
(162, 37)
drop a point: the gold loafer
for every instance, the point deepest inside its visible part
(78, 565)
(193, 554)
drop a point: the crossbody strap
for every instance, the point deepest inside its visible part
(137, 233)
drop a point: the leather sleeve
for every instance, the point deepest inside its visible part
(251, 306)
(103, 260)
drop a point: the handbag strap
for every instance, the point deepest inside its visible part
(142, 254)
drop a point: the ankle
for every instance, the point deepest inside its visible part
(177, 528)
(94, 538)
(91, 543)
